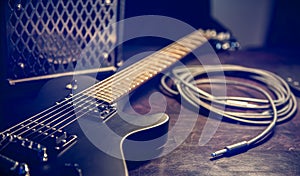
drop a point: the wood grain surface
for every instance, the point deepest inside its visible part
(277, 155)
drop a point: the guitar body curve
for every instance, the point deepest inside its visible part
(84, 157)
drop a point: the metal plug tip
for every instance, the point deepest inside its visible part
(219, 153)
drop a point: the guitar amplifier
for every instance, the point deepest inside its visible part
(46, 39)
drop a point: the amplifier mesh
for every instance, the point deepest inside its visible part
(53, 36)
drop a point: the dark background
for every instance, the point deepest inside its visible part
(283, 30)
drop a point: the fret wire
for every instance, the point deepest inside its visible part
(196, 42)
(165, 60)
(141, 78)
(176, 55)
(149, 73)
(144, 76)
(110, 95)
(191, 47)
(176, 51)
(198, 37)
(169, 54)
(163, 63)
(171, 57)
(191, 43)
(126, 89)
(159, 66)
(103, 98)
(137, 81)
(117, 76)
(181, 47)
(181, 40)
(106, 96)
(113, 91)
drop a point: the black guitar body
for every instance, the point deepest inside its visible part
(87, 133)
(91, 150)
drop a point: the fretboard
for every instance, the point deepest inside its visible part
(52, 120)
(125, 81)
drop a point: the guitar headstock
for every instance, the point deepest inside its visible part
(221, 41)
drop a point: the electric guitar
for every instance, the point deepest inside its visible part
(85, 133)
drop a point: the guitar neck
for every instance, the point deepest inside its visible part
(121, 83)
(127, 80)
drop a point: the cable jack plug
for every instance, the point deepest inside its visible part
(231, 149)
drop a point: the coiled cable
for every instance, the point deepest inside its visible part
(278, 105)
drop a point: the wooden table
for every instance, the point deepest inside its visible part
(278, 155)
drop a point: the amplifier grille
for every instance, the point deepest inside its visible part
(48, 37)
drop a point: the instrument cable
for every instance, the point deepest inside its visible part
(278, 104)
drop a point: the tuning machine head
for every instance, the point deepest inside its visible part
(221, 41)
(225, 45)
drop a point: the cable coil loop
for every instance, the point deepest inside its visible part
(278, 105)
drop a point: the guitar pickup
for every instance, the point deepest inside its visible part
(55, 141)
(58, 140)
(106, 110)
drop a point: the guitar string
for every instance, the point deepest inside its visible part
(77, 96)
(95, 86)
(159, 53)
(38, 123)
(82, 100)
(191, 35)
(91, 109)
(172, 60)
(165, 49)
(74, 96)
